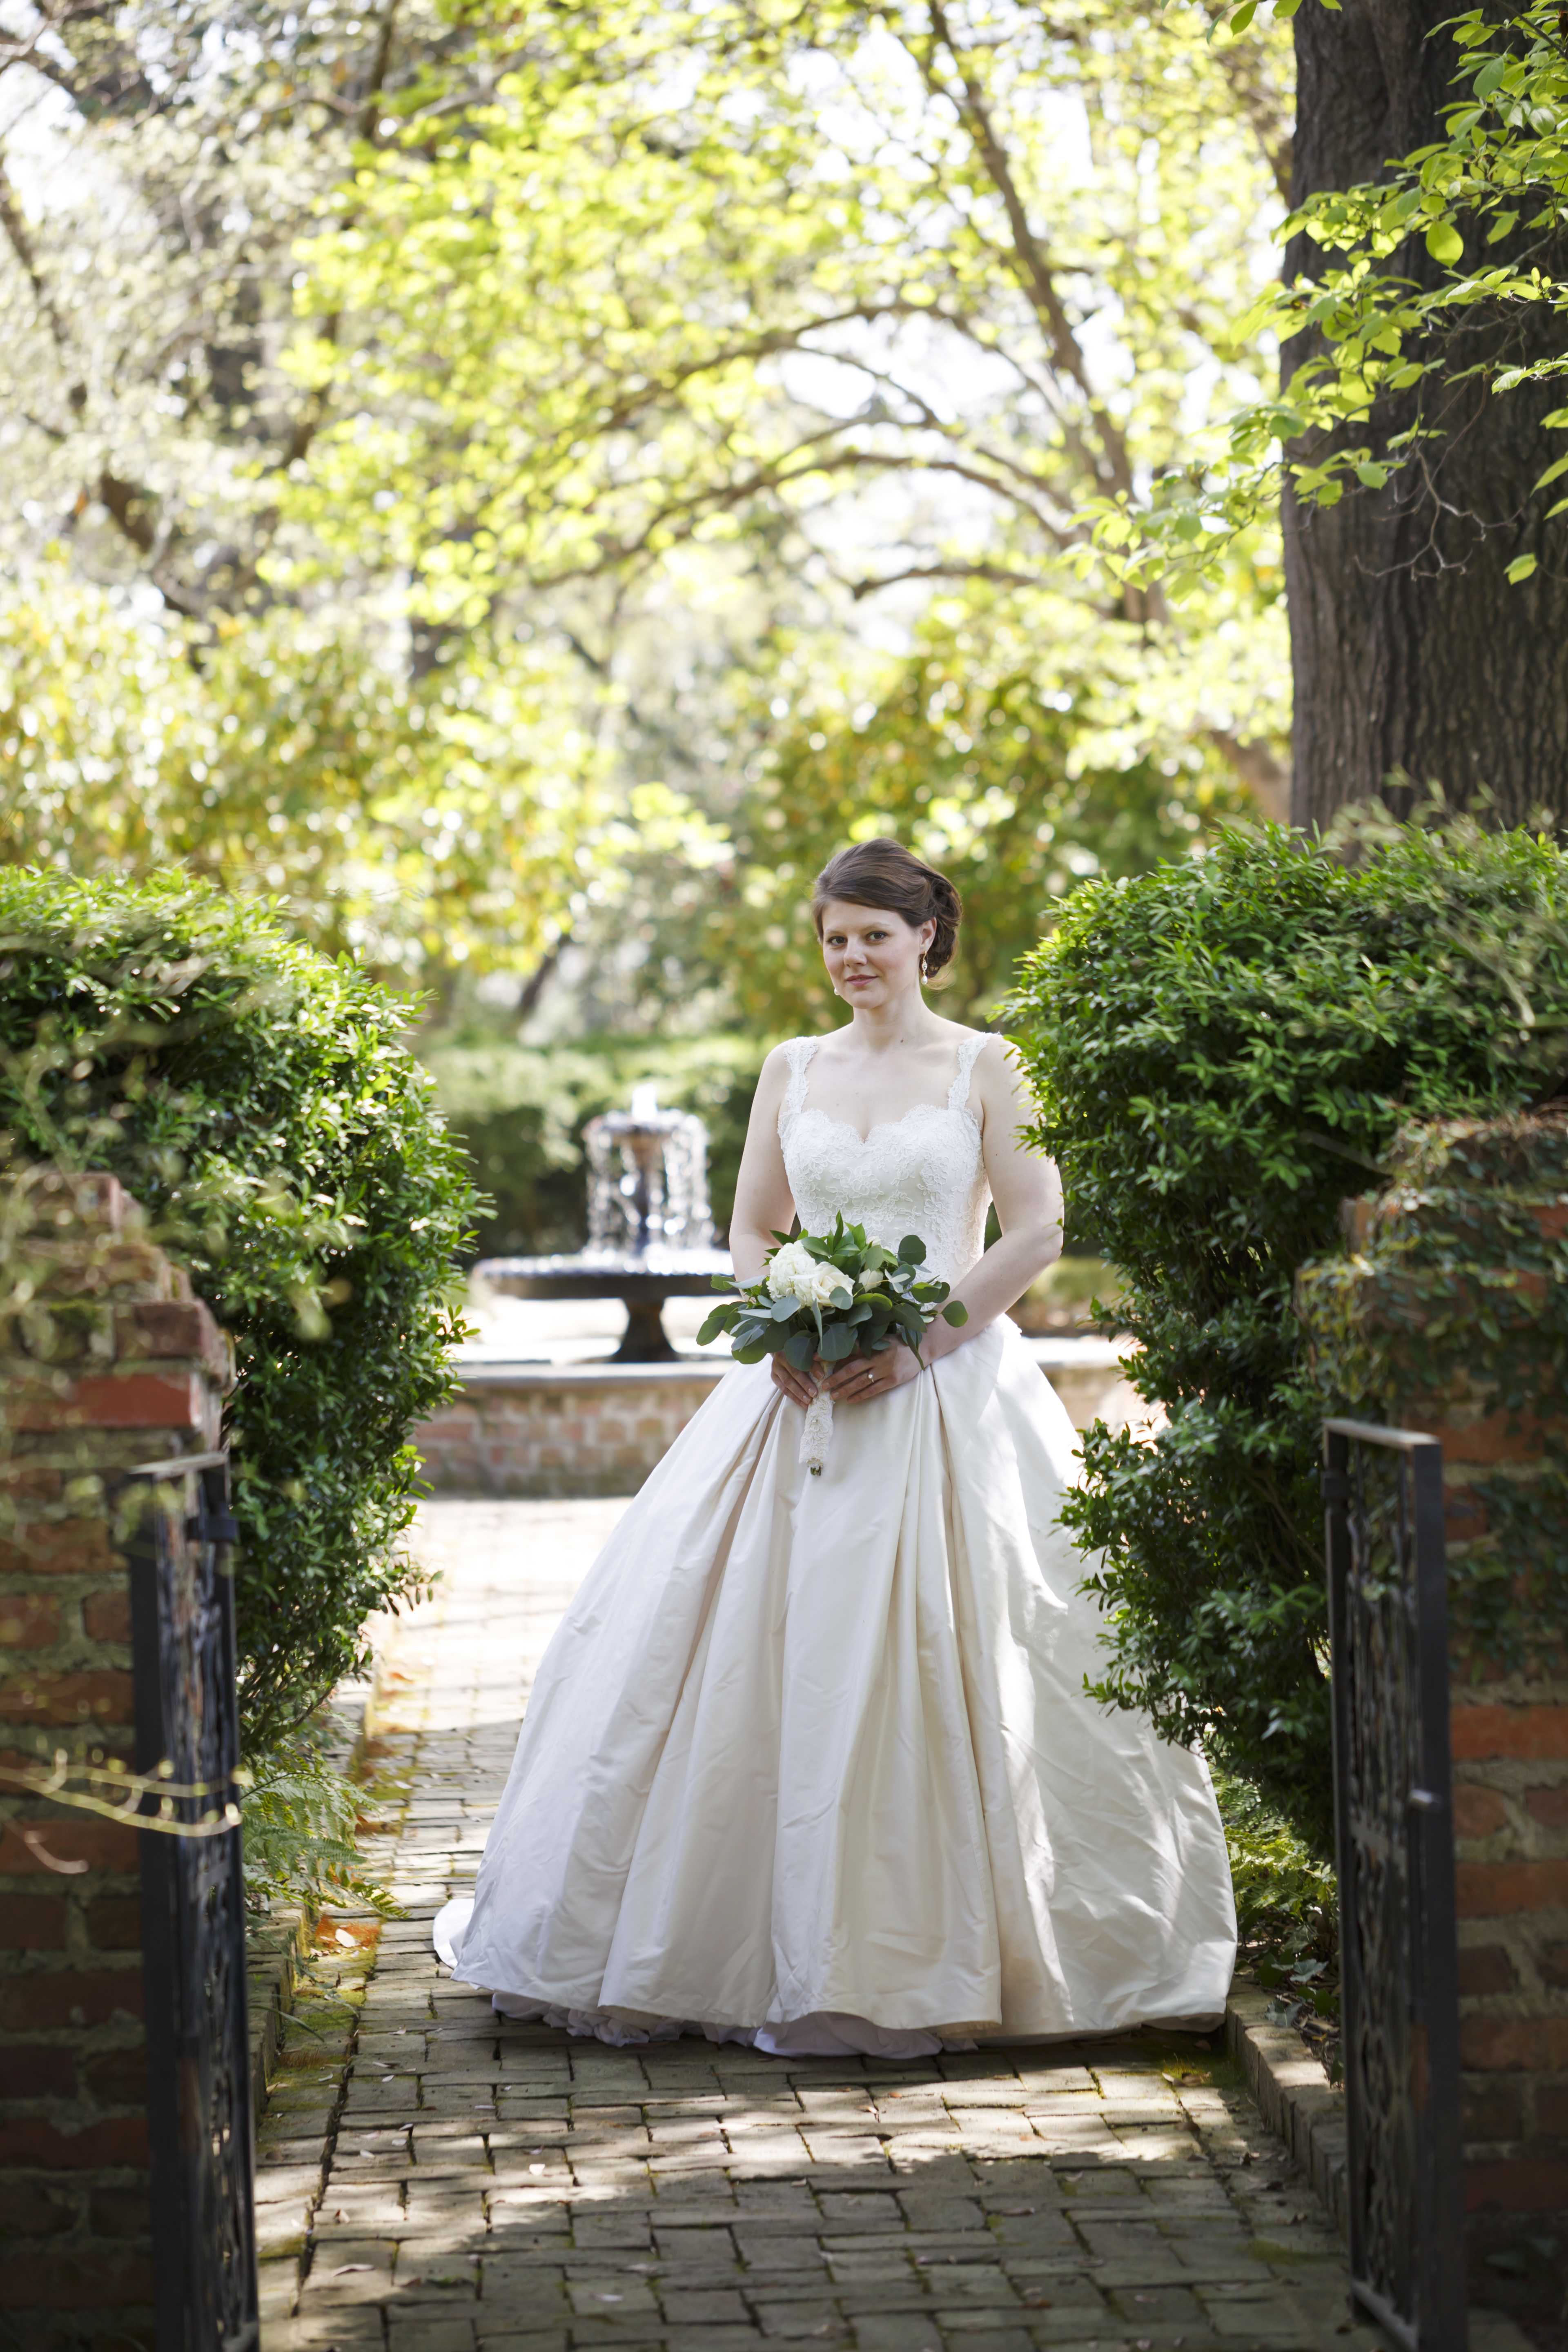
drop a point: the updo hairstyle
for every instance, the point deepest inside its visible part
(883, 873)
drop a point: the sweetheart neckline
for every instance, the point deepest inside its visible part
(887, 1126)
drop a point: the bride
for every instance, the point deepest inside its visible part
(808, 1763)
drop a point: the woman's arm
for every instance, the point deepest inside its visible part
(1028, 1196)
(763, 1203)
(1027, 1192)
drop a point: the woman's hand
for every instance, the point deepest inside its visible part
(861, 1378)
(855, 1382)
(799, 1386)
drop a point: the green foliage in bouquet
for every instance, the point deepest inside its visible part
(833, 1296)
(1221, 1051)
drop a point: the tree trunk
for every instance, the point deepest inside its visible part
(1414, 656)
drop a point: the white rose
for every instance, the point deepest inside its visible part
(872, 1280)
(784, 1270)
(817, 1287)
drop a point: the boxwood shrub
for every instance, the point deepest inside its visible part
(1221, 1050)
(257, 1099)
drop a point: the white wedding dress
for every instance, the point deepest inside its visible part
(808, 1762)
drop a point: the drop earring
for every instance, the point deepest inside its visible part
(923, 973)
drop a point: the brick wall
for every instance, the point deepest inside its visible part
(600, 1428)
(1451, 1304)
(560, 1429)
(105, 1361)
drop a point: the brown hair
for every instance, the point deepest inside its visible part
(883, 873)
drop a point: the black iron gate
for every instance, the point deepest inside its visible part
(193, 1913)
(1388, 1623)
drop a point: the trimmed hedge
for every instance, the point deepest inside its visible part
(1220, 1052)
(255, 1099)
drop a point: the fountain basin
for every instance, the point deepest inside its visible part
(641, 1279)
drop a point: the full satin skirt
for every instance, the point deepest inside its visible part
(809, 1763)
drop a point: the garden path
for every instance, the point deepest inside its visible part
(434, 2178)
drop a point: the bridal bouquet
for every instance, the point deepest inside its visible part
(831, 1295)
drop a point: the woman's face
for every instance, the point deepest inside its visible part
(872, 955)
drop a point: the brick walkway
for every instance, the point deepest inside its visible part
(434, 2178)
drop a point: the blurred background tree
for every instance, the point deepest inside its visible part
(457, 466)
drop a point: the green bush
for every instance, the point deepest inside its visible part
(301, 1815)
(520, 1111)
(255, 1097)
(1220, 1051)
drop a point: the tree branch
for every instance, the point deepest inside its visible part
(1000, 574)
(1031, 255)
(1267, 778)
(1242, 65)
(21, 244)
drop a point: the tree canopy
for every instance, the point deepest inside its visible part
(498, 416)
(1442, 276)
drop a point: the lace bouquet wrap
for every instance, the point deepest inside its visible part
(824, 1297)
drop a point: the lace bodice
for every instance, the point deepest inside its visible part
(922, 1173)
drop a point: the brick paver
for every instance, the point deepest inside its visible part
(434, 2178)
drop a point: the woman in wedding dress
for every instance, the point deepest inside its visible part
(808, 1762)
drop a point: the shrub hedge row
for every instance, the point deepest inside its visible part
(1221, 1050)
(256, 1099)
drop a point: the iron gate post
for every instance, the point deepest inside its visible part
(193, 1913)
(1394, 1839)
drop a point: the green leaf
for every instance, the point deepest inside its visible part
(838, 1341)
(1521, 568)
(1501, 227)
(1443, 242)
(799, 1348)
(717, 1321)
(1244, 15)
(912, 1250)
(1374, 475)
(956, 1312)
(841, 1301)
(1553, 472)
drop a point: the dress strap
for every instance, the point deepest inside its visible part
(798, 1052)
(968, 1054)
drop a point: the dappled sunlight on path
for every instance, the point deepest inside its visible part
(469, 2182)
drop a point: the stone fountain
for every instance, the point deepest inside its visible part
(650, 1236)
